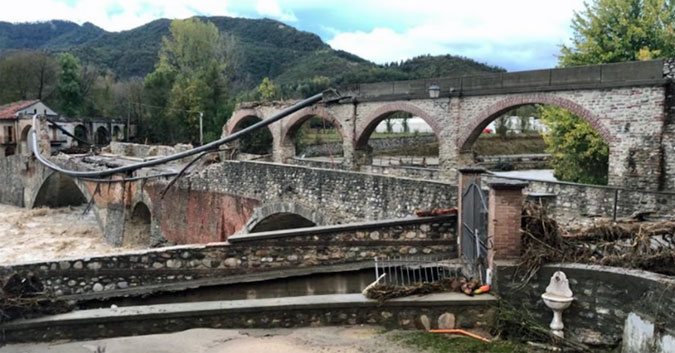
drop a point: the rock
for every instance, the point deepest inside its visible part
(386, 315)
(122, 285)
(157, 265)
(78, 265)
(98, 287)
(231, 262)
(72, 283)
(375, 235)
(174, 263)
(425, 322)
(94, 266)
(446, 321)
(410, 235)
(64, 265)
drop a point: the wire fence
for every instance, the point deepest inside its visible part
(410, 270)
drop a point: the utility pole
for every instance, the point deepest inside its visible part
(201, 129)
(128, 121)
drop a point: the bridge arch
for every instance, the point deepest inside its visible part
(138, 226)
(242, 119)
(294, 123)
(59, 190)
(381, 113)
(300, 117)
(469, 134)
(26, 141)
(283, 215)
(80, 131)
(102, 136)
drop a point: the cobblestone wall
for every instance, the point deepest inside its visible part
(377, 144)
(256, 253)
(340, 196)
(604, 296)
(577, 203)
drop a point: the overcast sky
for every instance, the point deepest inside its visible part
(514, 34)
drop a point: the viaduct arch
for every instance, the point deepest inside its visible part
(626, 103)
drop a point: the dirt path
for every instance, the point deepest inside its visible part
(355, 339)
(46, 234)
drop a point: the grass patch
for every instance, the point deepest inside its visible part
(438, 343)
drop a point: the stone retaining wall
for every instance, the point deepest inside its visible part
(574, 203)
(377, 144)
(446, 310)
(247, 254)
(514, 162)
(604, 297)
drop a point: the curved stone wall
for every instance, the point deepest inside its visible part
(604, 299)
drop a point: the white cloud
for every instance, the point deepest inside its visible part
(272, 9)
(512, 33)
(112, 15)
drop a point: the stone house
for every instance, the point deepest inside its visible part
(15, 124)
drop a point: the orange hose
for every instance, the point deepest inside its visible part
(461, 332)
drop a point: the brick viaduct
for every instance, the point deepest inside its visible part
(629, 104)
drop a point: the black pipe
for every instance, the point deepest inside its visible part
(208, 147)
(66, 132)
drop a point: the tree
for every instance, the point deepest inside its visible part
(267, 91)
(27, 75)
(605, 31)
(188, 80)
(609, 31)
(579, 155)
(69, 87)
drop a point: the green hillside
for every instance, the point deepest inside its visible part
(263, 48)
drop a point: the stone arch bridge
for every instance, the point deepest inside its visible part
(629, 104)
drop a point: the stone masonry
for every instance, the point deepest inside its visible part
(627, 103)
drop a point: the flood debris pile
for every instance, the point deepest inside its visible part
(630, 243)
(24, 296)
(382, 292)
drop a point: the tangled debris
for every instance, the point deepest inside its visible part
(382, 292)
(23, 296)
(630, 243)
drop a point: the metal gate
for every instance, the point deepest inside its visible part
(474, 240)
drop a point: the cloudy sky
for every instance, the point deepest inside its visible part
(515, 34)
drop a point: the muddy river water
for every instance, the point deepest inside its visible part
(29, 235)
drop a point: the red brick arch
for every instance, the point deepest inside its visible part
(301, 116)
(239, 117)
(376, 117)
(469, 134)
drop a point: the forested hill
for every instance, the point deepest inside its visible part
(263, 48)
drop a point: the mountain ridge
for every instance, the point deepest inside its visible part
(265, 48)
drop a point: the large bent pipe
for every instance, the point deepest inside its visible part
(208, 147)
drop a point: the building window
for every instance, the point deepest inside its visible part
(9, 134)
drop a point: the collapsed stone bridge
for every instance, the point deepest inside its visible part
(629, 104)
(218, 201)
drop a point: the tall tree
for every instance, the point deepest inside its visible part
(69, 87)
(192, 63)
(27, 75)
(605, 31)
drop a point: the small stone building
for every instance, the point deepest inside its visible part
(15, 123)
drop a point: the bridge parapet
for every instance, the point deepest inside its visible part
(187, 266)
